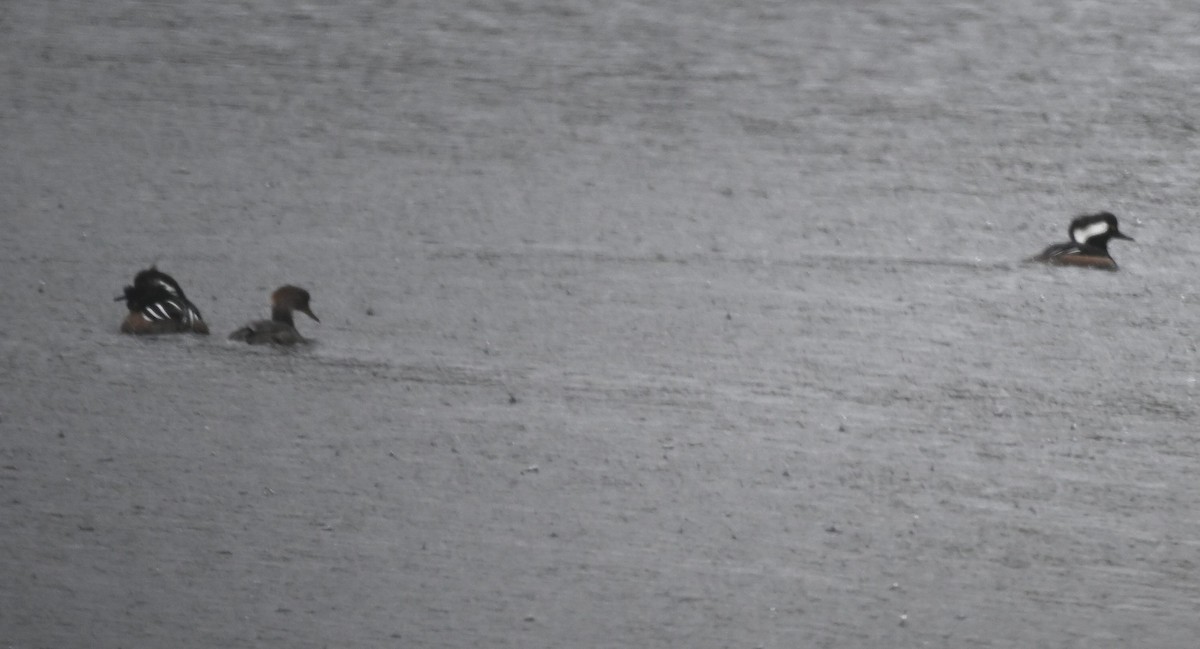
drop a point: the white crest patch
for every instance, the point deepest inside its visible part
(1083, 233)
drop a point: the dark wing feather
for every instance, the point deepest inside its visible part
(172, 310)
(1057, 250)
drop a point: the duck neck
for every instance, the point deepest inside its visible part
(282, 315)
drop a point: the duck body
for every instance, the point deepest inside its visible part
(157, 305)
(281, 328)
(1073, 254)
(268, 332)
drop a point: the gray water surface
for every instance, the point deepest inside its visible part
(643, 324)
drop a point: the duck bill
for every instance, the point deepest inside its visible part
(309, 313)
(1121, 235)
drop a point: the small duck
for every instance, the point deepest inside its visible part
(281, 328)
(157, 305)
(1088, 247)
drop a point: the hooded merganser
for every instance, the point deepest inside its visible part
(157, 305)
(281, 328)
(1089, 243)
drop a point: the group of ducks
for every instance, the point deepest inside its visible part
(157, 305)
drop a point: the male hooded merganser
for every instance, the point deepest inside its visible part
(157, 305)
(281, 328)
(1089, 243)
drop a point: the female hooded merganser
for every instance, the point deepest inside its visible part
(157, 305)
(1089, 243)
(281, 328)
